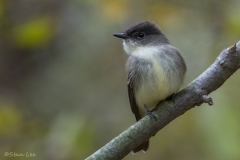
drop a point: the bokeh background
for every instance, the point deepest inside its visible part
(63, 88)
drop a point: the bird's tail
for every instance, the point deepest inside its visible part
(144, 147)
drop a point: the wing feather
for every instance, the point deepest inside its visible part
(132, 100)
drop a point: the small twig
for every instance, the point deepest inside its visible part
(208, 100)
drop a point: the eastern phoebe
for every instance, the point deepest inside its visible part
(155, 69)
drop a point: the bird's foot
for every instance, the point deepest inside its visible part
(149, 113)
(171, 96)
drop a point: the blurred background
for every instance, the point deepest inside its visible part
(63, 91)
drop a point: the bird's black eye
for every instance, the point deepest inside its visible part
(141, 34)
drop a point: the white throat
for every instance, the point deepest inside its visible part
(132, 49)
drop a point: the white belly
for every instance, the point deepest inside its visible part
(152, 91)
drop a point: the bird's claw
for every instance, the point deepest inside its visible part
(149, 113)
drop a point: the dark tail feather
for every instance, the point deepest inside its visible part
(144, 147)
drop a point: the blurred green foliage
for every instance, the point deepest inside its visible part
(63, 84)
(33, 33)
(10, 119)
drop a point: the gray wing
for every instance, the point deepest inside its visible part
(132, 100)
(144, 146)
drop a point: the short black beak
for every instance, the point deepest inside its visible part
(120, 35)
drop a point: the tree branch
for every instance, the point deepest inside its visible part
(194, 94)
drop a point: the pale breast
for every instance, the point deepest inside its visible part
(154, 89)
(154, 78)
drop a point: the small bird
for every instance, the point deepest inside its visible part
(155, 69)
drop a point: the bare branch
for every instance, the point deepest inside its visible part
(194, 94)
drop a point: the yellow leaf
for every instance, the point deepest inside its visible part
(165, 12)
(33, 33)
(115, 10)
